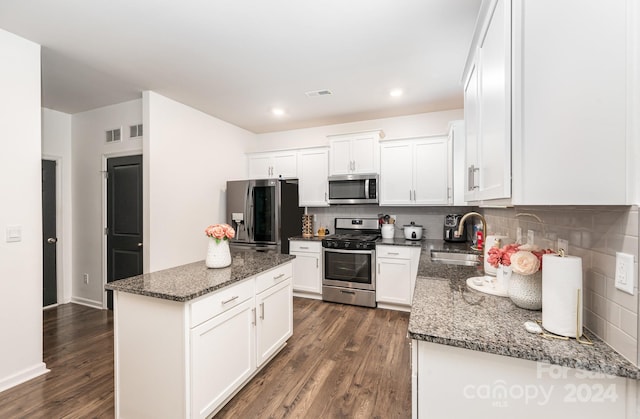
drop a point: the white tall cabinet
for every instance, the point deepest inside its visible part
(551, 107)
(415, 172)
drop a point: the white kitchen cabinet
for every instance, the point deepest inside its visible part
(397, 268)
(549, 107)
(354, 153)
(274, 309)
(277, 164)
(415, 172)
(232, 338)
(313, 170)
(307, 268)
(457, 163)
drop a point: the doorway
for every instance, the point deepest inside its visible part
(49, 235)
(124, 219)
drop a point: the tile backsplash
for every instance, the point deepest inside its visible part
(595, 234)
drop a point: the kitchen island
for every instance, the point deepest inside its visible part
(471, 355)
(186, 339)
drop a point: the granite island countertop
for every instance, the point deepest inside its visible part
(445, 311)
(187, 282)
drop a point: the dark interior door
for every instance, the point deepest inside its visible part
(124, 219)
(49, 238)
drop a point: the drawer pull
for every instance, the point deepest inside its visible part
(275, 278)
(304, 247)
(393, 253)
(262, 311)
(230, 300)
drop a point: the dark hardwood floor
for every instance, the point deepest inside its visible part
(342, 362)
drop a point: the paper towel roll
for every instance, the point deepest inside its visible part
(561, 281)
(489, 242)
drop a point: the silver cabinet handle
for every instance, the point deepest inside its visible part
(317, 263)
(325, 197)
(410, 198)
(230, 299)
(393, 253)
(304, 247)
(414, 195)
(253, 315)
(378, 269)
(470, 178)
(52, 240)
(139, 244)
(275, 278)
(262, 311)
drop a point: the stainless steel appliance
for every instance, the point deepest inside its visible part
(451, 224)
(353, 189)
(349, 274)
(264, 212)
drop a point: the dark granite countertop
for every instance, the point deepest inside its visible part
(186, 282)
(445, 311)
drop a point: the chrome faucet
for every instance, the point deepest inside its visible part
(458, 233)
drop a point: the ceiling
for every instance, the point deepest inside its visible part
(237, 59)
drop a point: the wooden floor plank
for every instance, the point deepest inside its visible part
(342, 361)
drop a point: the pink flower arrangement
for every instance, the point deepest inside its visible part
(524, 259)
(220, 232)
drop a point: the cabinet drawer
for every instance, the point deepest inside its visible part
(275, 276)
(396, 252)
(221, 301)
(305, 246)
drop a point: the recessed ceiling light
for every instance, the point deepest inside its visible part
(396, 92)
(277, 111)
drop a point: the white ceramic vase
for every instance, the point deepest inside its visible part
(218, 254)
(526, 290)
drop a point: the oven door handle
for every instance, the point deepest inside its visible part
(364, 252)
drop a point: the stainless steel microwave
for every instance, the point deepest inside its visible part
(353, 189)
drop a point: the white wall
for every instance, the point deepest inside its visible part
(56, 145)
(188, 157)
(425, 124)
(89, 150)
(20, 189)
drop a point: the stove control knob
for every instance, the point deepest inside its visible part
(346, 244)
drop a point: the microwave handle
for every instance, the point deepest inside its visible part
(366, 188)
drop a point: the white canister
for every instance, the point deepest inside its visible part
(388, 231)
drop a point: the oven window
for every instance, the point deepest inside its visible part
(348, 267)
(347, 189)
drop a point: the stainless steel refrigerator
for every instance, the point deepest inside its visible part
(264, 212)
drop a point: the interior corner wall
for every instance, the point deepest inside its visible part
(419, 125)
(89, 148)
(20, 188)
(189, 156)
(56, 145)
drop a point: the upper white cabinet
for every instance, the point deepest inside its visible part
(415, 172)
(457, 162)
(354, 153)
(549, 105)
(277, 164)
(313, 170)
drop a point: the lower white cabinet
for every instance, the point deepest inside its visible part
(396, 271)
(186, 360)
(307, 268)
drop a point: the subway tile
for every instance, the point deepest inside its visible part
(595, 282)
(599, 305)
(628, 301)
(603, 263)
(621, 342)
(629, 322)
(613, 314)
(630, 226)
(594, 323)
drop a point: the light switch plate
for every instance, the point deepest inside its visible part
(14, 234)
(625, 278)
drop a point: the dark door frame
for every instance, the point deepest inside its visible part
(61, 247)
(105, 157)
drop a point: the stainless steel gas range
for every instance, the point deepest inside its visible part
(349, 274)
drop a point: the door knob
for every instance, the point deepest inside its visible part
(52, 240)
(139, 244)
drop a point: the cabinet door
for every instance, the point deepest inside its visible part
(393, 283)
(431, 172)
(494, 156)
(471, 121)
(307, 276)
(313, 170)
(260, 166)
(275, 319)
(396, 184)
(285, 165)
(364, 154)
(223, 356)
(340, 156)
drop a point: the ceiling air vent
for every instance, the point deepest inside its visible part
(135, 131)
(114, 135)
(315, 93)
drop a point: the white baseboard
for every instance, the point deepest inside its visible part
(87, 302)
(22, 376)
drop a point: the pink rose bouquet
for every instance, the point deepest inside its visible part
(220, 232)
(524, 259)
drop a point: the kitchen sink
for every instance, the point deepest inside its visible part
(453, 258)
